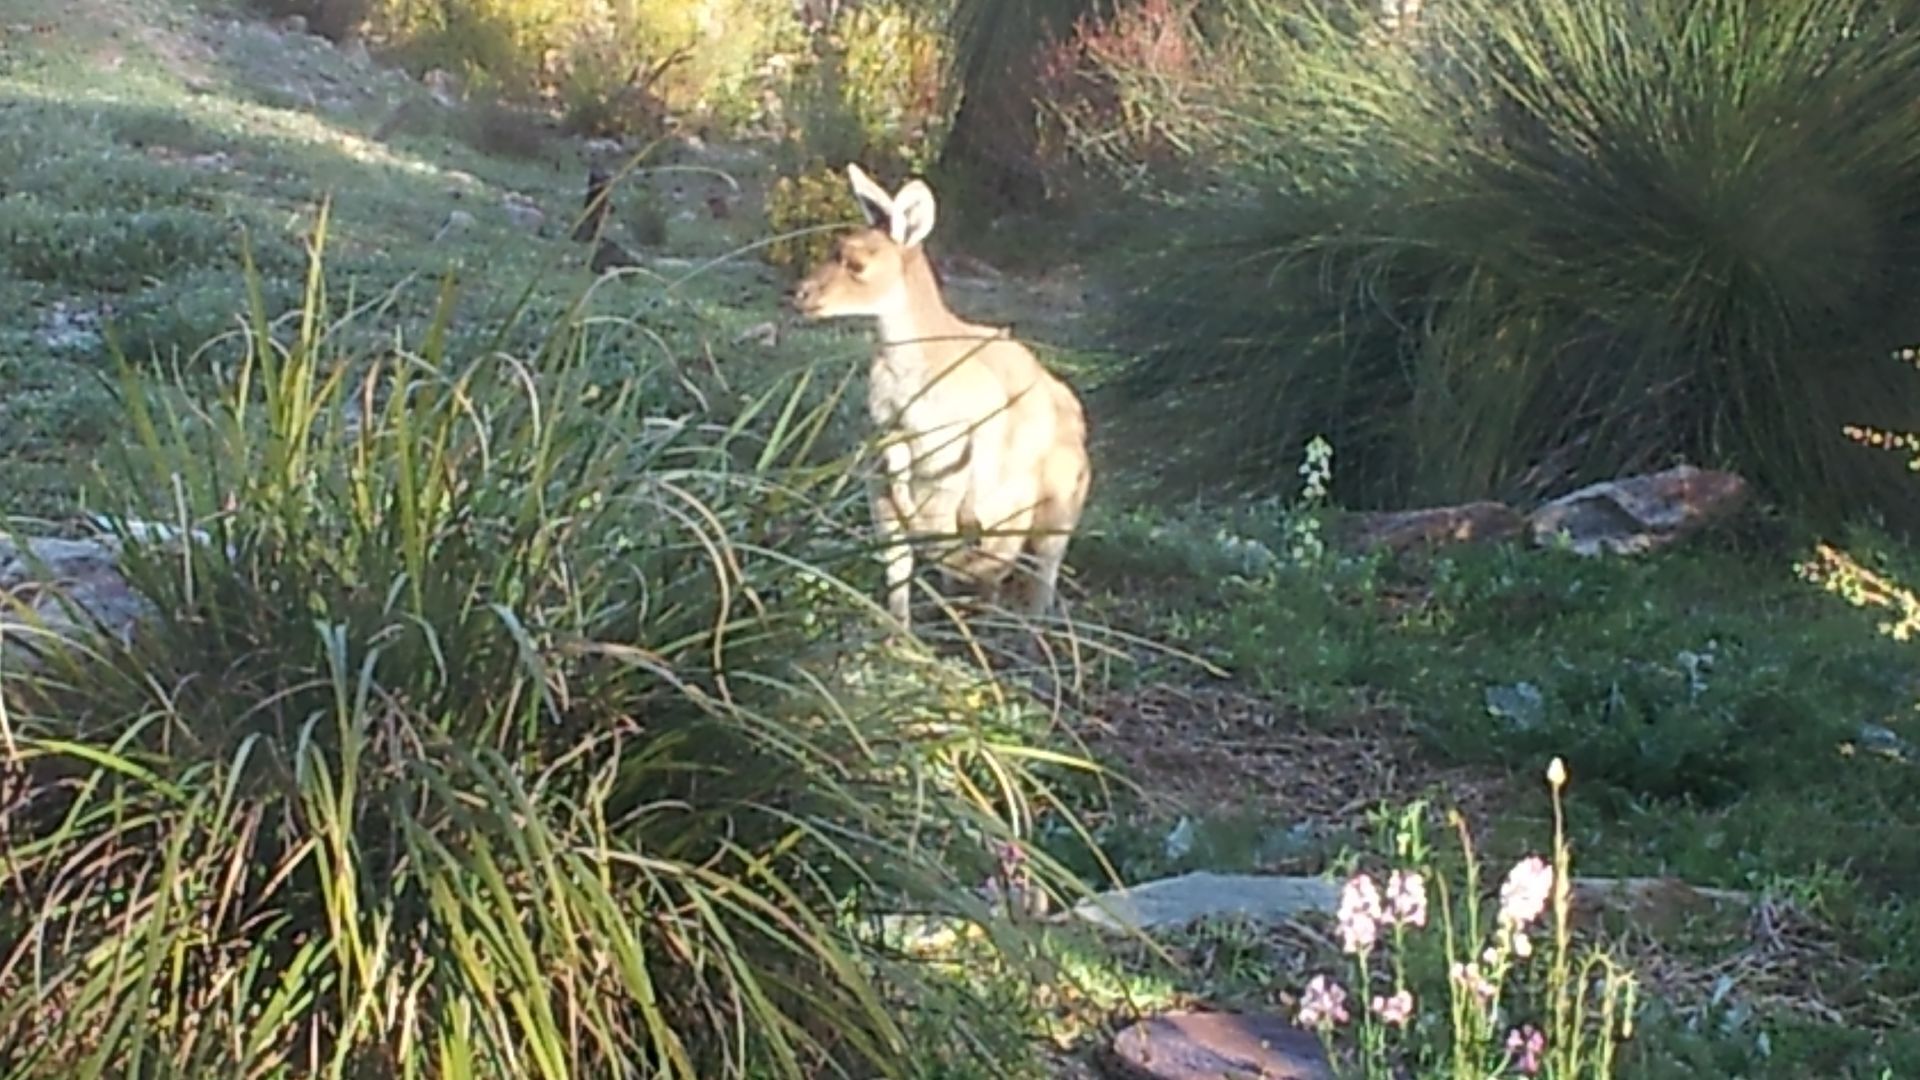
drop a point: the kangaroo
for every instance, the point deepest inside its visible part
(983, 442)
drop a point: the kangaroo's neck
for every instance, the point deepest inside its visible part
(919, 321)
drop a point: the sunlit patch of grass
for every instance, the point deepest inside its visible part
(131, 181)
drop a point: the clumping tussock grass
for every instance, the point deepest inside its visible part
(488, 724)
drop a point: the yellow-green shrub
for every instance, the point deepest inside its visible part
(598, 89)
(586, 53)
(895, 85)
(807, 200)
(875, 89)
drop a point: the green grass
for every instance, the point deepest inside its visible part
(1725, 722)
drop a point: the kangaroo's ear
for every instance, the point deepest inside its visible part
(913, 213)
(874, 201)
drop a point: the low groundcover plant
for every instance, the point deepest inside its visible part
(1505, 1015)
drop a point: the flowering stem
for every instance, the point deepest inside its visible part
(1369, 1024)
(1566, 1037)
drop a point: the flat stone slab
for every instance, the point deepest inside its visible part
(1171, 903)
(1215, 1046)
(53, 590)
(1177, 901)
(41, 576)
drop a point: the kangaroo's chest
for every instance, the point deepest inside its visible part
(931, 415)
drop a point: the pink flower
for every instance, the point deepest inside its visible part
(1323, 1005)
(1394, 1011)
(1469, 976)
(1524, 895)
(1526, 1044)
(1407, 898)
(1359, 915)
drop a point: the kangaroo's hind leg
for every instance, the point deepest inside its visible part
(1055, 517)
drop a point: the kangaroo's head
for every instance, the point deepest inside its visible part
(872, 269)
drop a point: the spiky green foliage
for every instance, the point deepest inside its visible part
(493, 728)
(1536, 243)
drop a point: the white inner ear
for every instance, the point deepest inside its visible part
(874, 201)
(913, 213)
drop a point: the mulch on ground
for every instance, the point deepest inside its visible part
(1224, 751)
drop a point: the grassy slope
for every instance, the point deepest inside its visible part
(1720, 717)
(140, 140)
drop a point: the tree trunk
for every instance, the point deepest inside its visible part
(993, 145)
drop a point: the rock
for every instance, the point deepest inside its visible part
(144, 532)
(767, 334)
(718, 206)
(293, 24)
(443, 86)
(523, 212)
(62, 588)
(1175, 902)
(70, 328)
(1217, 1045)
(603, 148)
(1171, 903)
(58, 557)
(1637, 514)
(1400, 530)
(457, 221)
(1521, 705)
(1878, 739)
(356, 54)
(57, 588)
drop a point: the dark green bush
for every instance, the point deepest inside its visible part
(188, 315)
(112, 252)
(102, 182)
(1536, 244)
